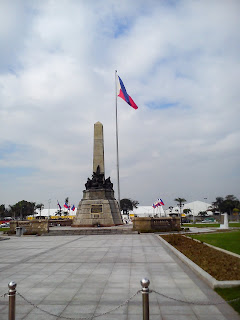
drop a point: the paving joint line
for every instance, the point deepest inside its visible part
(13, 264)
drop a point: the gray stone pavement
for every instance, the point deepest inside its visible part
(81, 276)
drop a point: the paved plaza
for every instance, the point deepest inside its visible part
(88, 275)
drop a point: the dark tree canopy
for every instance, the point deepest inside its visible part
(3, 211)
(128, 204)
(227, 204)
(180, 201)
(66, 200)
(203, 213)
(22, 209)
(187, 211)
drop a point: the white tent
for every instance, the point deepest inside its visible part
(195, 207)
(148, 211)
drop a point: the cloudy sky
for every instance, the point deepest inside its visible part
(180, 62)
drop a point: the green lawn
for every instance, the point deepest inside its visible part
(201, 225)
(230, 294)
(226, 240)
(4, 229)
(213, 225)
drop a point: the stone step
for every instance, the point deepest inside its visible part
(99, 231)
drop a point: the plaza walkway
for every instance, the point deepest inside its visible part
(81, 276)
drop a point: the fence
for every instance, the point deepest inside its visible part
(12, 292)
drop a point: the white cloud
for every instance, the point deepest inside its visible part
(180, 63)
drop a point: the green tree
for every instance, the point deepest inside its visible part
(22, 209)
(40, 206)
(180, 203)
(236, 211)
(128, 204)
(2, 210)
(202, 213)
(230, 202)
(226, 204)
(187, 211)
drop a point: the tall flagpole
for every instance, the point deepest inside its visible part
(117, 143)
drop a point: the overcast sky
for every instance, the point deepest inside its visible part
(179, 61)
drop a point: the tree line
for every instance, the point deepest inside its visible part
(20, 210)
(229, 204)
(23, 208)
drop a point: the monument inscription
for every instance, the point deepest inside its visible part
(96, 208)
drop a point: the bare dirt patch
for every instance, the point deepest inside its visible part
(220, 265)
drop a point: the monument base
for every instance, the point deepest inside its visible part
(98, 208)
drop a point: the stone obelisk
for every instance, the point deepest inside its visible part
(98, 206)
(98, 148)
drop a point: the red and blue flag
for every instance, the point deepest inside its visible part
(66, 206)
(73, 207)
(122, 93)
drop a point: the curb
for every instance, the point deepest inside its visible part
(212, 282)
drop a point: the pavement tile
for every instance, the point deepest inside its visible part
(82, 275)
(206, 310)
(180, 317)
(104, 307)
(79, 309)
(176, 310)
(213, 317)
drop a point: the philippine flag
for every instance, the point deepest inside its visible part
(66, 206)
(157, 204)
(162, 203)
(73, 207)
(122, 93)
(59, 206)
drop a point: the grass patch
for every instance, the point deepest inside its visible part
(211, 225)
(220, 265)
(4, 229)
(230, 294)
(202, 225)
(226, 240)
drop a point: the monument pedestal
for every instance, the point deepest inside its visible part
(98, 208)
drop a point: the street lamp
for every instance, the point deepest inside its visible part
(49, 203)
(180, 205)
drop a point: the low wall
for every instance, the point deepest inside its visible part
(148, 224)
(31, 227)
(62, 222)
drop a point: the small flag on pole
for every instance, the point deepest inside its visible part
(66, 206)
(59, 206)
(122, 93)
(73, 207)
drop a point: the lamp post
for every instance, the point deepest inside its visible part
(180, 205)
(49, 203)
